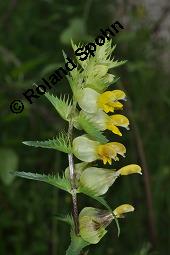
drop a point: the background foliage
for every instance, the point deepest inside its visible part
(33, 34)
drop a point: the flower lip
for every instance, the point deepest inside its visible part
(109, 100)
(130, 169)
(120, 210)
(119, 120)
(109, 151)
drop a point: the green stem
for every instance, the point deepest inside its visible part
(72, 179)
(76, 246)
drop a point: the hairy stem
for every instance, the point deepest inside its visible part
(73, 184)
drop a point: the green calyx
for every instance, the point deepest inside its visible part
(93, 223)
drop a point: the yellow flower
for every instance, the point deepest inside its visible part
(109, 151)
(103, 121)
(109, 100)
(91, 101)
(120, 210)
(93, 221)
(117, 120)
(88, 150)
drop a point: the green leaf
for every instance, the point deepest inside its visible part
(8, 164)
(50, 68)
(61, 143)
(66, 218)
(91, 129)
(75, 30)
(62, 105)
(75, 79)
(93, 195)
(117, 63)
(28, 66)
(57, 181)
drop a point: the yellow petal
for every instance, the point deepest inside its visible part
(120, 210)
(104, 160)
(117, 105)
(108, 101)
(119, 120)
(108, 108)
(130, 169)
(118, 94)
(114, 129)
(105, 153)
(109, 151)
(119, 148)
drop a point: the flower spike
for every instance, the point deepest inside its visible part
(89, 82)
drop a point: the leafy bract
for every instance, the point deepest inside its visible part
(117, 63)
(61, 143)
(62, 105)
(55, 180)
(90, 128)
(65, 218)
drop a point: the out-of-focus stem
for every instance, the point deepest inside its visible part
(146, 176)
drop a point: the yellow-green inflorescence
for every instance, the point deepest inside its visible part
(99, 107)
(93, 109)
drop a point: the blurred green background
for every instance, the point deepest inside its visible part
(32, 37)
